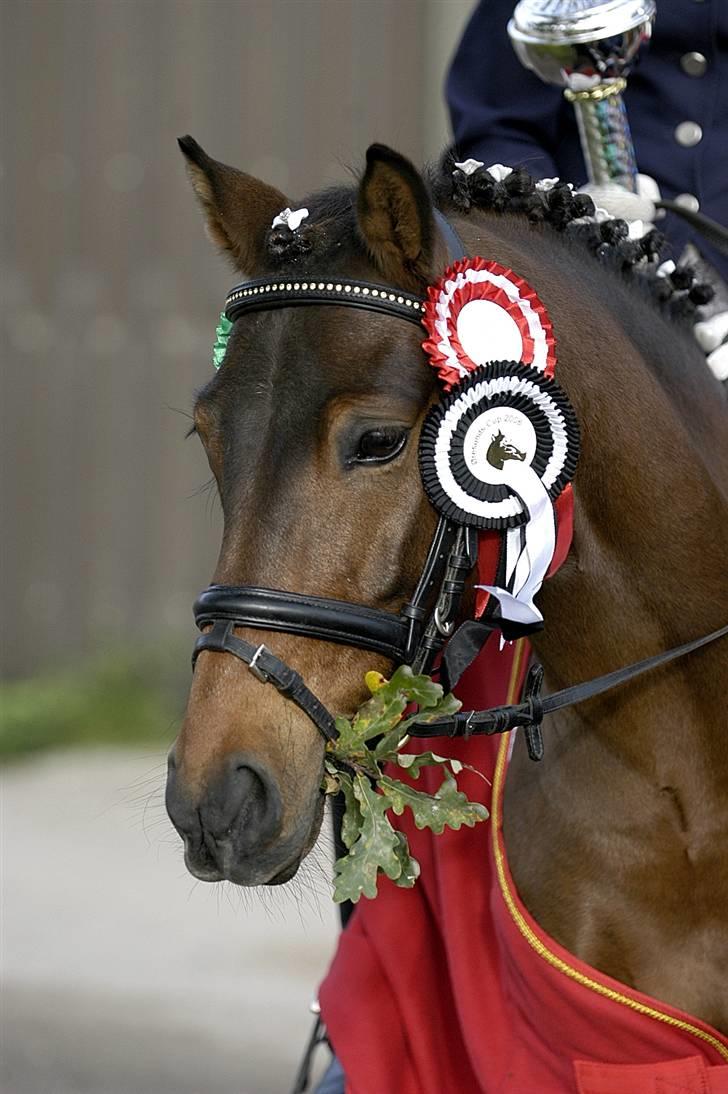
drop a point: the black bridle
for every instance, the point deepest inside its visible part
(414, 636)
(418, 632)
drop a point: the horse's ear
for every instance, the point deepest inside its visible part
(396, 217)
(238, 208)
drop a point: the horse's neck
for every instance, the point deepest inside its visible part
(617, 839)
(621, 832)
(647, 569)
(648, 565)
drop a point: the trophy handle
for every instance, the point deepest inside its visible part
(606, 139)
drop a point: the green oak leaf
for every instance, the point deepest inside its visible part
(413, 762)
(447, 807)
(386, 747)
(343, 725)
(375, 717)
(418, 689)
(390, 742)
(445, 706)
(375, 849)
(353, 819)
(354, 766)
(331, 784)
(410, 865)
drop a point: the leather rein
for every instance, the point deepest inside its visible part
(419, 631)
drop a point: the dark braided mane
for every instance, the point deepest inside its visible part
(566, 210)
(332, 220)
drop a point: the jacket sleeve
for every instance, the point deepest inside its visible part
(501, 112)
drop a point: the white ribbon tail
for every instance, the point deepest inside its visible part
(528, 568)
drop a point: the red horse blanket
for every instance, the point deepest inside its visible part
(453, 988)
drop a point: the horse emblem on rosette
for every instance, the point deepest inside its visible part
(595, 897)
(500, 450)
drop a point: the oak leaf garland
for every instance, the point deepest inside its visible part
(354, 765)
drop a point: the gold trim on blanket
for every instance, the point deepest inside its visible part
(524, 927)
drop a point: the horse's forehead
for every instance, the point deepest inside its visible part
(299, 358)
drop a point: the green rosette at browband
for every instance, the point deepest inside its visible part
(222, 333)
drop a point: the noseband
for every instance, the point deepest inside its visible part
(414, 636)
(417, 633)
(411, 637)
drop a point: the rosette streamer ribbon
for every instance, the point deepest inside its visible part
(529, 549)
(501, 447)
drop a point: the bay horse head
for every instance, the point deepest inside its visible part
(311, 427)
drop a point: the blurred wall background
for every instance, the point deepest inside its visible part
(120, 975)
(110, 290)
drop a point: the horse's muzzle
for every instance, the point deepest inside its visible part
(231, 827)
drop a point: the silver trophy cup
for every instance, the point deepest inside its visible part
(587, 47)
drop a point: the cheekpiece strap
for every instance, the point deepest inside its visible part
(273, 292)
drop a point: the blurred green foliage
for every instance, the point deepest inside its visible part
(119, 698)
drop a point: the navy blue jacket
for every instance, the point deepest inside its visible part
(502, 113)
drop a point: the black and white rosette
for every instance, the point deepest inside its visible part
(495, 454)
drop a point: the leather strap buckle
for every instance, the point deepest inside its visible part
(256, 670)
(444, 626)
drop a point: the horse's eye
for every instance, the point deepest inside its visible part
(381, 445)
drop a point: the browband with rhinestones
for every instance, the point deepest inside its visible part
(270, 292)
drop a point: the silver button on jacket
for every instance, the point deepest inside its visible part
(688, 134)
(693, 64)
(688, 201)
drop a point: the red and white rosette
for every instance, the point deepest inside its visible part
(480, 312)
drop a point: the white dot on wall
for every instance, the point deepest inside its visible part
(30, 332)
(56, 172)
(124, 172)
(105, 335)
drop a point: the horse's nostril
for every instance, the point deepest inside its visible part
(237, 814)
(242, 805)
